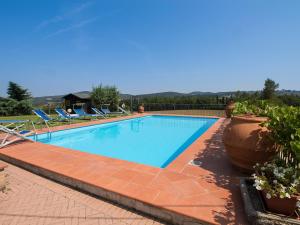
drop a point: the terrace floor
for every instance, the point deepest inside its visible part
(31, 199)
(208, 192)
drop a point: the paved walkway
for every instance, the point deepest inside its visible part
(32, 200)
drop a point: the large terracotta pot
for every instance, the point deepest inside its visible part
(247, 143)
(286, 206)
(229, 109)
(141, 109)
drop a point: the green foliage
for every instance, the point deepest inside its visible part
(268, 93)
(113, 97)
(18, 103)
(105, 95)
(291, 100)
(16, 92)
(99, 95)
(286, 99)
(284, 124)
(11, 107)
(257, 108)
(269, 90)
(241, 96)
(280, 178)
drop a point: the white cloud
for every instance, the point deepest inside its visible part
(73, 27)
(64, 16)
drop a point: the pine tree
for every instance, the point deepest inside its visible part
(16, 92)
(269, 90)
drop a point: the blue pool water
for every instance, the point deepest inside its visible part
(150, 140)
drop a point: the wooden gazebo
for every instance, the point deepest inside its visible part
(78, 100)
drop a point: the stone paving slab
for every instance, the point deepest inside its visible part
(31, 199)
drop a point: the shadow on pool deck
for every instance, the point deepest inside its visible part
(214, 159)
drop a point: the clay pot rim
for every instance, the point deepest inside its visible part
(250, 118)
(294, 197)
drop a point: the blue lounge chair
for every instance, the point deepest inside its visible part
(82, 113)
(42, 115)
(123, 110)
(108, 112)
(97, 111)
(64, 115)
(14, 134)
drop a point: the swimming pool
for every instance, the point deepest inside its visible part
(151, 140)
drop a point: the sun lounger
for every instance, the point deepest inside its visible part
(82, 113)
(42, 115)
(108, 112)
(14, 134)
(97, 111)
(123, 110)
(64, 115)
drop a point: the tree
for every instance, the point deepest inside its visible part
(16, 92)
(105, 95)
(99, 95)
(113, 97)
(269, 90)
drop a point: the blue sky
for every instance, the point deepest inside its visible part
(143, 46)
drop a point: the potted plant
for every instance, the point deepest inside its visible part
(246, 141)
(141, 108)
(279, 180)
(279, 184)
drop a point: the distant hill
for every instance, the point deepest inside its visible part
(288, 92)
(58, 98)
(46, 99)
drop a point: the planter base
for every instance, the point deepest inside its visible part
(247, 143)
(282, 206)
(255, 209)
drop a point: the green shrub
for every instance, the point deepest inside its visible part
(11, 107)
(284, 124)
(258, 108)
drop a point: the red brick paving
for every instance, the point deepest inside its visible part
(208, 192)
(31, 199)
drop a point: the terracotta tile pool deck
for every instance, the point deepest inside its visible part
(34, 200)
(206, 193)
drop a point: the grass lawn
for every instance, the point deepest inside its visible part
(39, 124)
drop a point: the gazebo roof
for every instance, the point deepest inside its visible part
(81, 95)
